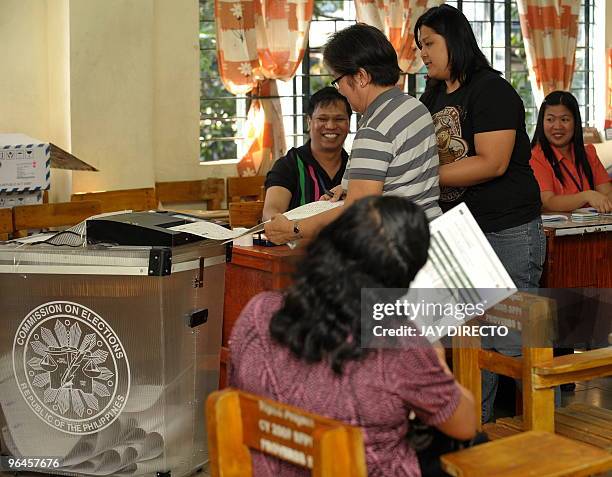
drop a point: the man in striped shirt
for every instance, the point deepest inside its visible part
(394, 151)
(396, 145)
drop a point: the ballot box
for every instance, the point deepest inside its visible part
(107, 355)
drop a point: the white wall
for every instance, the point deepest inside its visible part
(111, 83)
(24, 81)
(59, 120)
(177, 113)
(116, 82)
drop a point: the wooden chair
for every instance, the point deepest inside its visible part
(45, 216)
(245, 214)
(245, 188)
(536, 453)
(6, 223)
(115, 200)
(238, 421)
(209, 190)
(539, 371)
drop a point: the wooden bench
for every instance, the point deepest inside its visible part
(574, 367)
(581, 422)
(245, 188)
(245, 214)
(6, 223)
(535, 453)
(239, 421)
(116, 200)
(45, 216)
(211, 191)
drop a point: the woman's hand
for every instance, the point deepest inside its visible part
(441, 353)
(599, 201)
(338, 194)
(280, 230)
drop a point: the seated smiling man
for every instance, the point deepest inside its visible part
(306, 172)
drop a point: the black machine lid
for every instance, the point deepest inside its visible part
(141, 229)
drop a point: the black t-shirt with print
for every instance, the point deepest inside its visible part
(487, 103)
(300, 173)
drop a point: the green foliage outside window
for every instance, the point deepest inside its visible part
(218, 107)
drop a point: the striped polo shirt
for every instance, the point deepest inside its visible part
(396, 144)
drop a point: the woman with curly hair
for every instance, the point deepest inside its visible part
(304, 348)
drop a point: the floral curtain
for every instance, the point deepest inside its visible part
(259, 41)
(550, 31)
(396, 19)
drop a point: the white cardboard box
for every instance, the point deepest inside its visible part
(20, 198)
(24, 164)
(24, 168)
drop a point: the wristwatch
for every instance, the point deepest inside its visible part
(296, 229)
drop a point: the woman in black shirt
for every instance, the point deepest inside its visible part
(483, 145)
(482, 142)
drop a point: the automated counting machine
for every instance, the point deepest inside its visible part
(108, 350)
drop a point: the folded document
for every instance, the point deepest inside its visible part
(213, 231)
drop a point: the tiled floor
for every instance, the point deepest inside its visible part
(597, 392)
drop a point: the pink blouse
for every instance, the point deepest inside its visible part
(375, 393)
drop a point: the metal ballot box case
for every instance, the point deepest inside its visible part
(107, 355)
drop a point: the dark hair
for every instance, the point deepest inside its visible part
(582, 164)
(362, 46)
(464, 56)
(325, 96)
(379, 242)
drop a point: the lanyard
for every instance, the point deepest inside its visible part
(579, 185)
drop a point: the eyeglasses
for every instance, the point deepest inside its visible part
(335, 84)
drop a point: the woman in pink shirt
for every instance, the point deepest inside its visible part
(569, 173)
(304, 347)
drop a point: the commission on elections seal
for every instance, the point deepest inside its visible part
(71, 367)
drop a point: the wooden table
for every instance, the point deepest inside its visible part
(251, 271)
(578, 254)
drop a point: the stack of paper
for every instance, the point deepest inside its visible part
(584, 214)
(547, 218)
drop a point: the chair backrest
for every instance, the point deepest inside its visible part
(6, 223)
(127, 199)
(43, 216)
(538, 369)
(239, 421)
(245, 214)
(209, 190)
(245, 188)
(522, 311)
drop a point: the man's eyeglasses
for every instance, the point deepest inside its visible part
(335, 84)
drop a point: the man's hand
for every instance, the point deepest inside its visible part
(280, 230)
(338, 194)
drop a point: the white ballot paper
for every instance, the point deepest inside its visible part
(213, 231)
(462, 266)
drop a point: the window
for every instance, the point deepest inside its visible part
(495, 24)
(221, 113)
